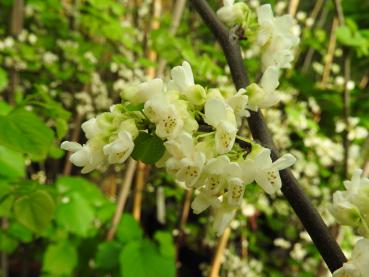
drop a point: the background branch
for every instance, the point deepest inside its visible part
(310, 218)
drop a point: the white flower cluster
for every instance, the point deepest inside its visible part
(358, 265)
(351, 207)
(275, 36)
(178, 112)
(277, 42)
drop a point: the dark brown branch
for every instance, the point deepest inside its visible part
(308, 215)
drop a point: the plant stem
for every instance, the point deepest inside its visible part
(310, 218)
(139, 184)
(176, 19)
(122, 199)
(74, 137)
(217, 259)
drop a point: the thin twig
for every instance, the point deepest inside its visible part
(16, 26)
(330, 52)
(176, 19)
(217, 259)
(292, 8)
(74, 137)
(122, 199)
(346, 94)
(151, 72)
(137, 197)
(4, 255)
(310, 218)
(346, 115)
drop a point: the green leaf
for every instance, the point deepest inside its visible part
(7, 243)
(61, 126)
(128, 229)
(6, 199)
(107, 255)
(60, 259)
(135, 107)
(23, 131)
(75, 214)
(142, 259)
(3, 79)
(87, 189)
(20, 232)
(148, 148)
(4, 108)
(35, 210)
(166, 245)
(12, 164)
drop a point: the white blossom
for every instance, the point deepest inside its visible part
(358, 265)
(264, 171)
(221, 116)
(265, 94)
(120, 149)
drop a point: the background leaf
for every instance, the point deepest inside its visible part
(60, 258)
(35, 210)
(23, 131)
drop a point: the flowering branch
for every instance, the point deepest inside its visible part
(313, 223)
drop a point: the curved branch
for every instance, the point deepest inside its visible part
(310, 218)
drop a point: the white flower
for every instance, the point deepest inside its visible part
(351, 207)
(264, 171)
(165, 116)
(145, 91)
(232, 199)
(183, 82)
(90, 128)
(265, 94)
(120, 149)
(89, 156)
(232, 13)
(221, 116)
(276, 36)
(222, 218)
(358, 265)
(215, 177)
(344, 211)
(238, 103)
(186, 162)
(182, 77)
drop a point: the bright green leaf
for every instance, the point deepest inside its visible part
(3, 79)
(75, 214)
(142, 259)
(128, 229)
(4, 108)
(20, 232)
(148, 148)
(35, 210)
(60, 259)
(7, 243)
(23, 131)
(166, 245)
(107, 255)
(12, 164)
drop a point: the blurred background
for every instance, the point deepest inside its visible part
(64, 61)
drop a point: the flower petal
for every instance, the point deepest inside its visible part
(215, 111)
(270, 80)
(265, 14)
